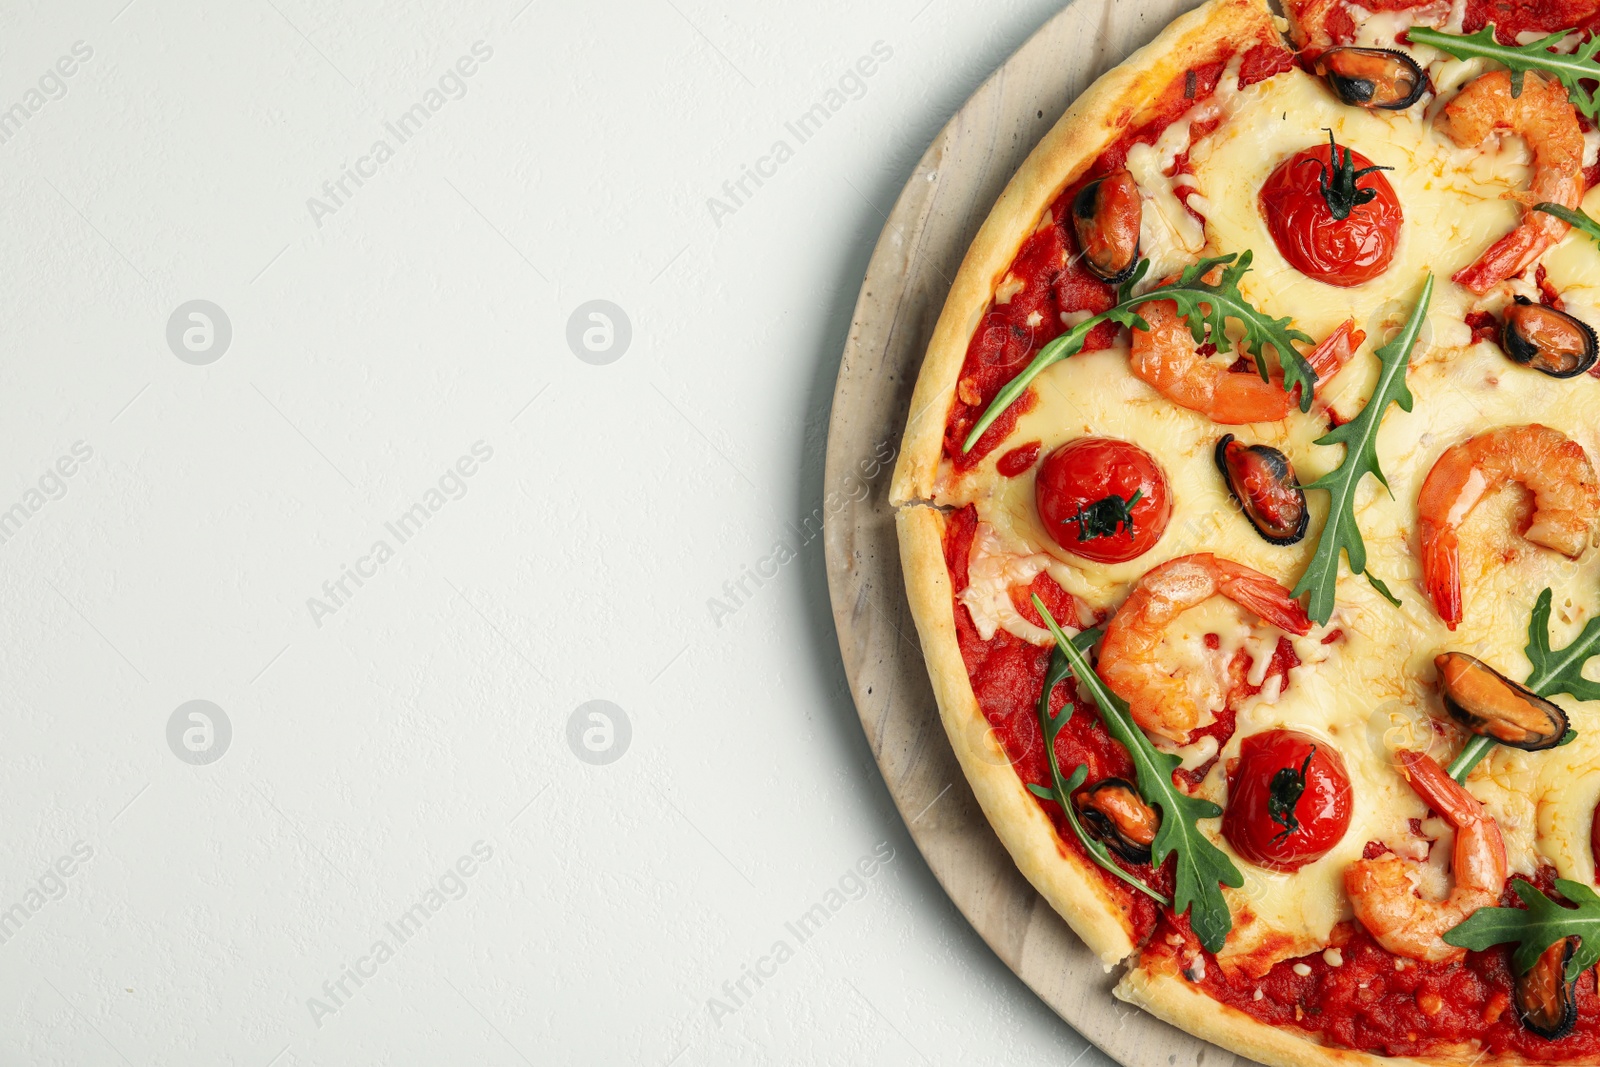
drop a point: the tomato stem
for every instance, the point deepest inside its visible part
(1338, 181)
(1102, 518)
(1284, 792)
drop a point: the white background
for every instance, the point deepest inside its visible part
(372, 346)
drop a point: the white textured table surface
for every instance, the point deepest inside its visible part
(397, 509)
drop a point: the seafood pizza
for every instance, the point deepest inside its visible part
(1248, 507)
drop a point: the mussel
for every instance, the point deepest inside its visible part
(1488, 703)
(1378, 78)
(1548, 340)
(1546, 1002)
(1262, 480)
(1114, 813)
(1105, 218)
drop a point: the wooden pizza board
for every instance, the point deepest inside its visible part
(939, 211)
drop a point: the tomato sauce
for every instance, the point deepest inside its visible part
(1052, 281)
(1018, 460)
(1510, 17)
(1366, 1003)
(1007, 675)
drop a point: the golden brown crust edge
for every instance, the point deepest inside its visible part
(1073, 887)
(1174, 1000)
(1117, 102)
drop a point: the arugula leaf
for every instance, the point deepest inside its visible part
(1578, 219)
(1360, 438)
(1543, 924)
(1554, 671)
(1204, 304)
(1570, 70)
(1377, 583)
(1200, 866)
(1560, 672)
(1061, 789)
(1058, 671)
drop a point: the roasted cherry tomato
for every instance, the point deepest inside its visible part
(1333, 214)
(1288, 800)
(1103, 499)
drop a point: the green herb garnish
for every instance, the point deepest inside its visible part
(1560, 671)
(1578, 220)
(1570, 70)
(1207, 306)
(1360, 438)
(1383, 590)
(1201, 867)
(1061, 789)
(1554, 671)
(1543, 924)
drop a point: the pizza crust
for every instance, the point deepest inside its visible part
(1116, 103)
(1175, 1000)
(1071, 885)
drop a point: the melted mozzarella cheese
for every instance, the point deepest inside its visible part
(1372, 692)
(1169, 236)
(992, 572)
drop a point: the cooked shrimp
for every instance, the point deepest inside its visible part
(1382, 891)
(1554, 468)
(1163, 703)
(1543, 117)
(1167, 357)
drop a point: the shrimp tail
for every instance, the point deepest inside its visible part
(1335, 350)
(1443, 793)
(1504, 259)
(1265, 597)
(1441, 568)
